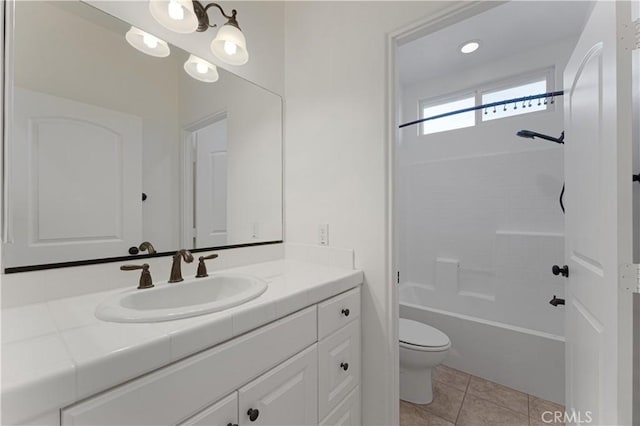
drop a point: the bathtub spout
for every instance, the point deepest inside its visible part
(555, 301)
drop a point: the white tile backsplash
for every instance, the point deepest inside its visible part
(322, 255)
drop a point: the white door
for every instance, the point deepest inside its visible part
(75, 181)
(597, 103)
(284, 396)
(211, 185)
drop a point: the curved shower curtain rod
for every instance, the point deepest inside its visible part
(493, 104)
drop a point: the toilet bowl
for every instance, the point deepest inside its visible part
(422, 347)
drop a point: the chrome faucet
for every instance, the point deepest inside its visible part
(176, 270)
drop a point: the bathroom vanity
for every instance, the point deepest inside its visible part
(289, 357)
(294, 371)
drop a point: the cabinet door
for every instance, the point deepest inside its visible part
(339, 366)
(286, 395)
(347, 413)
(222, 413)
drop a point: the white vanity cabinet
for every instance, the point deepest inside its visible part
(279, 374)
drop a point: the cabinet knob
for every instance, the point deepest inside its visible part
(564, 271)
(345, 312)
(344, 366)
(253, 414)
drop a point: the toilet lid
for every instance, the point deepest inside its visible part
(419, 334)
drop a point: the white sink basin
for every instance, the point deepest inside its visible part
(193, 297)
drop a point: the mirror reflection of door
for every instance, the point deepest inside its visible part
(75, 180)
(210, 185)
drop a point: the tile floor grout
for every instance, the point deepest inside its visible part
(466, 389)
(495, 396)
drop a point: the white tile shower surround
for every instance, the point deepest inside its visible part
(56, 352)
(480, 234)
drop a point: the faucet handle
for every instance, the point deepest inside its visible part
(202, 268)
(145, 277)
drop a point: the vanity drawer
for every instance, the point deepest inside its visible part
(338, 311)
(347, 413)
(221, 413)
(180, 390)
(339, 366)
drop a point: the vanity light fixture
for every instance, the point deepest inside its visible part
(470, 46)
(201, 70)
(186, 16)
(147, 43)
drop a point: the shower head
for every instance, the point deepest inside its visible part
(532, 135)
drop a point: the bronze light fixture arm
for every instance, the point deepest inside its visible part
(203, 17)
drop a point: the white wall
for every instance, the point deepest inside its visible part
(480, 222)
(335, 156)
(262, 22)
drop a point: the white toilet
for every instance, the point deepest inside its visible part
(422, 347)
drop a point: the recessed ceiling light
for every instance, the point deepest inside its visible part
(470, 46)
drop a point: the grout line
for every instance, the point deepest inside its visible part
(497, 403)
(464, 397)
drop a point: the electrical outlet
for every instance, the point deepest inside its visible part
(323, 234)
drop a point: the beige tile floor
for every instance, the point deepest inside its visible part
(461, 399)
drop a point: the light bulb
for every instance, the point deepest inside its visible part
(230, 48)
(202, 68)
(469, 47)
(150, 41)
(176, 12)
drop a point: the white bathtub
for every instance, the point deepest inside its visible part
(523, 359)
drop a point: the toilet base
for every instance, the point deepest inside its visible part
(415, 385)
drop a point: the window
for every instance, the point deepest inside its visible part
(458, 121)
(535, 88)
(533, 84)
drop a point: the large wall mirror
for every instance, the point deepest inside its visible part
(109, 147)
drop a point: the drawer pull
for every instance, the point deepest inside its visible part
(344, 366)
(232, 424)
(253, 414)
(345, 312)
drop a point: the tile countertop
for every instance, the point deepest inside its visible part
(58, 352)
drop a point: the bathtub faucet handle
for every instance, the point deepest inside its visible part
(564, 271)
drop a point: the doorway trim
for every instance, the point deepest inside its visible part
(446, 17)
(187, 176)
